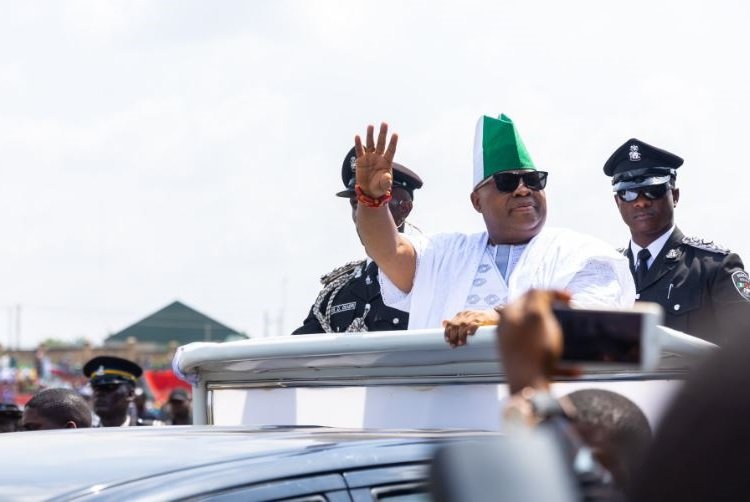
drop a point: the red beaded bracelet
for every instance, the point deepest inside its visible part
(368, 201)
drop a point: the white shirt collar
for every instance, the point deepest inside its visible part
(654, 248)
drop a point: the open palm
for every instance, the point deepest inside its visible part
(374, 162)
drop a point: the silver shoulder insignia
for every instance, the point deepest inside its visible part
(621, 250)
(347, 269)
(333, 282)
(705, 245)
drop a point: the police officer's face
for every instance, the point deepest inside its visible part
(511, 217)
(647, 218)
(112, 399)
(400, 206)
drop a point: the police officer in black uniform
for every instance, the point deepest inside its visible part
(702, 287)
(350, 300)
(113, 380)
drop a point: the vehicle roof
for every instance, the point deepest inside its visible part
(400, 357)
(84, 462)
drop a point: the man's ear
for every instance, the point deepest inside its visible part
(70, 425)
(475, 201)
(675, 195)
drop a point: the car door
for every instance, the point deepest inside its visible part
(321, 488)
(393, 483)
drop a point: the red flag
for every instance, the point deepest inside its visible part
(162, 382)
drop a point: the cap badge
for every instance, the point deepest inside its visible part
(634, 154)
(100, 371)
(353, 163)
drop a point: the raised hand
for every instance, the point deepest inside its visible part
(374, 162)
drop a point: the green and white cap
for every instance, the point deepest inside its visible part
(497, 148)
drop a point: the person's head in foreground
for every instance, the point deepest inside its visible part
(700, 448)
(615, 428)
(56, 409)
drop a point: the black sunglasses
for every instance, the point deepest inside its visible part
(106, 387)
(508, 182)
(651, 193)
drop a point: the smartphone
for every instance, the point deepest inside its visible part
(623, 337)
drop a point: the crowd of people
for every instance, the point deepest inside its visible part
(117, 399)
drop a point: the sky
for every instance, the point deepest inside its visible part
(153, 151)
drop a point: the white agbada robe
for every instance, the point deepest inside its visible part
(592, 271)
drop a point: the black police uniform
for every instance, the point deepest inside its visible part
(355, 306)
(703, 288)
(350, 300)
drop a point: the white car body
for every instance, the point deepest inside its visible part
(404, 379)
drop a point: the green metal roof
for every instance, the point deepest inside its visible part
(176, 322)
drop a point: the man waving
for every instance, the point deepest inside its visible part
(461, 281)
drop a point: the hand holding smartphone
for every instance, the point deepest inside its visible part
(611, 337)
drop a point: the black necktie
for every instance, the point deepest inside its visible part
(642, 267)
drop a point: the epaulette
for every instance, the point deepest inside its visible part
(705, 245)
(339, 271)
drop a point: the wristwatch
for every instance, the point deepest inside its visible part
(532, 406)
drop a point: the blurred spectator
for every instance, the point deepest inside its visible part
(42, 363)
(143, 407)
(8, 379)
(56, 409)
(179, 408)
(614, 427)
(700, 449)
(10, 417)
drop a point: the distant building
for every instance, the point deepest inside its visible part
(175, 323)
